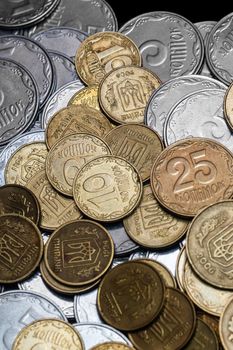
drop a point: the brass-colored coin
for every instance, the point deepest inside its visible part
(180, 264)
(21, 248)
(17, 199)
(138, 144)
(172, 329)
(79, 252)
(102, 52)
(68, 155)
(228, 106)
(107, 188)
(226, 326)
(213, 323)
(130, 295)
(48, 334)
(151, 226)
(164, 273)
(112, 346)
(125, 92)
(209, 242)
(25, 162)
(192, 174)
(75, 119)
(203, 338)
(87, 97)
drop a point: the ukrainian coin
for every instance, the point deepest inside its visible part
(177, 49)
(203, 337)
(172, 329)
(100, 53)
(76, 119)
(180, 265)
(107, 188)
(112, 346)
(125, 298)
(171, 92)
(195, 173)
(50, 333)
(87, 97)
(151, 226)
(18, 100)
(212, 322)
(165, 274)
(136, 143)
(228, 106)
(166, 257)
(31, 55)
(226, 326)
(125, 92)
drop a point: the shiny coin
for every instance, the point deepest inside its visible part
(180, 264)
(130, 295)
(87, 97)
(226, 326)
(165, 274)
(124, 93)
(192, 174)
(107, 188)
(203, 336)
(100, 53)
(228, 106)
(112, 346)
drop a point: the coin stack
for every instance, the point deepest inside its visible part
(115, 213)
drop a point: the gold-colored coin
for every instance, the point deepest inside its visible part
(112, 346)
(164, 273)
(107, 188)
(180, 264)
(67, 157)
(151, 226)
(25, 162)
(203, 338)
(138, 144)
(125, 92)
(130, 295)
(76, 119)
(102, 52)
(48, 334)
(226, 326)
(87, 97)
(79, 252)
(21, 248)
(228, 106)
(213, 323)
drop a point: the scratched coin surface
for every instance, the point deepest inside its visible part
(21, 247)
(192, 174)
(136, 143)
(87, 97)
(112, 346)
(228, 106)
(102, 52)
(124, 93)
(203, 336)
(107, 188)
(130, 295)
(226, 325)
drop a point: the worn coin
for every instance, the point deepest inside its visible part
(180, 265)
(212, 322)
(228, 106)
(192, 174)
(203, 337)
(112, 346)
(87, 97)
(165, 274)
(226, 325)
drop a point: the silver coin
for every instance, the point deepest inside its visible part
(140, 254)
(170, 45)
(1, 289)
(199, 114)
(14, 145)
(169, 93)
(18, 309)
(33, 57)
(93, 334)
(59, 100)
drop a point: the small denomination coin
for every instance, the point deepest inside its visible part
(165, 274)
(130, 295)
(107, 188)
(49, 333)
(228, 106)
(102, 52)
(192, 174)
(172, 329)
(138, 144)
(87, 97)
(226, 325)
(180, 265)
(112, 346)
(203, 336)
(21, 247)
(124, 93)
(212, 322)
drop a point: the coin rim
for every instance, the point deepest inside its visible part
(85, 88)
(221, 330)
(226, 115)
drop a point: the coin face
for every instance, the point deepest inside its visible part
(87, 97)
(226, 326)
(203, 336)
(107, 188)
(212, 322)
(102, 52)
(48, 334)
(112, 346)
(136, 143)
(165, 274)
(124, 93)
(21, 247)
(228, 106)
(79, 252)
(68, 155)
(192, 174)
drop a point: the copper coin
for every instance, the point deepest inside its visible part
(21, 248)
(228, 106)
(79, 252)
(164, 273)
(130, 295)
(87, 97)
(226, 326)
(125, 92)
(192, 174)
(213, 323)
(112, 346)
(138, 144)
(203, 338)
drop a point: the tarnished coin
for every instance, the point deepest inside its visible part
(76, 119)
(151, 226)
(124, 93)
(79, 252)
(138, 144)
(226, 326)
(192, 174)
(107, 188)
(21, 247)
(87, 97)
(204, 337)
(112, 346)
(172, 329)
(102, 52)
(50, 334)
(165, 274)
(212, 322)
(180, 265)
(228, 106)
(130, 295)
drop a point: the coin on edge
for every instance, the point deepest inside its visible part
(87, 97)
(112, 346)
(165, 274)
(226, 326)
(180, 263)
(228, 106)
(204, 336)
